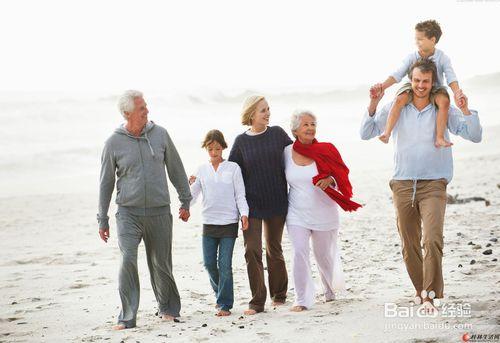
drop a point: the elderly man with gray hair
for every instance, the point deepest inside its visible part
(137, 154)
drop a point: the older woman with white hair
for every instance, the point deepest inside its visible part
(319, 184)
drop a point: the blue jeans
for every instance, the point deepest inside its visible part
(217, 259)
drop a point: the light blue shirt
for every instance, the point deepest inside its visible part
(443, 65)
(415, 156)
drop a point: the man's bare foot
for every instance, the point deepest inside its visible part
(250, 312)
(278, 303)
(417, 300)
(442, 143)
(167, 318)
(384, 138)
(429, 307)
(298, 308)
(223, 313)
(119, 327)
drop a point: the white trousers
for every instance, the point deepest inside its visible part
(327, 255)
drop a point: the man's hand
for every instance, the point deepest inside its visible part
(192, 179)
(459, 98)
(375, 90)
(324, 183)
(104, 233)
(184, 214)
(465, 105)
(376, 94)
(244, 223)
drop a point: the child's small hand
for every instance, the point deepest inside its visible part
(244, 223)
(464, 105)
(376, 90)
(459, 98)
(192, 179)
(376, 94)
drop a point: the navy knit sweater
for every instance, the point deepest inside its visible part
(260, 158)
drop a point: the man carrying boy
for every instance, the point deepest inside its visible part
(421, 175)
(427, 35)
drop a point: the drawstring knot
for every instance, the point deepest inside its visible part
(414, 192)
(149, 143)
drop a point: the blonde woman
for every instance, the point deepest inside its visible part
(259, 153)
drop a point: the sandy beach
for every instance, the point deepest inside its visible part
(58, 281)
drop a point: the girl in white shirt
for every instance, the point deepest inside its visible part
(221, 184)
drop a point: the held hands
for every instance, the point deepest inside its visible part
(192, 179)
(462, 102)
(104, 233)
(458, 96)
(376, 92)
(244, 223)
(324, 183)
(184, 214)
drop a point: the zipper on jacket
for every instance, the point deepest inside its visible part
(142, 165)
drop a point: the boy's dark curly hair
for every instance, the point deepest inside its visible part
(430, 28)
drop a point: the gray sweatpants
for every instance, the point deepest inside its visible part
(157, 234)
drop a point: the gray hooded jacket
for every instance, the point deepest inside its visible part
(139, 164)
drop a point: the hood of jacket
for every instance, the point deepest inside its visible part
(144, 133)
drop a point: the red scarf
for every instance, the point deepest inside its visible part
(330, 163)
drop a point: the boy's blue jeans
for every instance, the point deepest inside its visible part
(217, 258)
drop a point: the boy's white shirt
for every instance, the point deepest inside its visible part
(223, 193)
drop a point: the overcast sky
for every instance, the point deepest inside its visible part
(110, 45)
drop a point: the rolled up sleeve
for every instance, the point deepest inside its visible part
(466, 126)
(402, 71)
(449, 73)
(373, 126)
